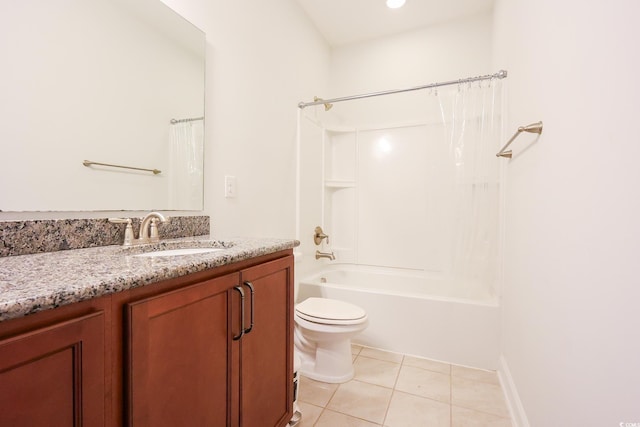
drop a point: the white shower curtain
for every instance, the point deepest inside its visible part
(472, 128)
(186, 165)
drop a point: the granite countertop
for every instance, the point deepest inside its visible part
(32, 283)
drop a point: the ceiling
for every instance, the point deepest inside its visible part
(348, 21)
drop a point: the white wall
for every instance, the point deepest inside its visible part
(452, 50)
(571, 289)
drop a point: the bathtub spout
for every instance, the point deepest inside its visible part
(329, 255)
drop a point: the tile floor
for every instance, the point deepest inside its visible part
(393, 390)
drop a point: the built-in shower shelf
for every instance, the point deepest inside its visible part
(335, 183)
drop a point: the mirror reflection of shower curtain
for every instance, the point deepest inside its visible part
(186, 165)
(472, 127)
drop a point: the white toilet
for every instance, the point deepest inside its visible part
(323, 331)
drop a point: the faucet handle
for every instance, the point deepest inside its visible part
(154, 236)
(128, 231)
(319, 235)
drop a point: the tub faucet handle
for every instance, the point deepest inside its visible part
(319, 235)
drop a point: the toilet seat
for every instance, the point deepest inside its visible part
(330, 312)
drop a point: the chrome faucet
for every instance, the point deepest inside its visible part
(329, 255)
(149, 227)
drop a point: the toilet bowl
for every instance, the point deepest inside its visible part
(323, 331)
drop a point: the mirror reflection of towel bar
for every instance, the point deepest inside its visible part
(532, 128)
(89, 163)
(192, 119)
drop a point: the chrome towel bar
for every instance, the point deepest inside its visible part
(532, 128)
(89, 163)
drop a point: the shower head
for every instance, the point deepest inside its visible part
(327, 106)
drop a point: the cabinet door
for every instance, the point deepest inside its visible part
(266, 351)
(54, 375)
(179, 356)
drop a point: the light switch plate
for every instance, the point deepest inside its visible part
(230, 186)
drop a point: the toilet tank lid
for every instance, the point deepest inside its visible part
(326, 308)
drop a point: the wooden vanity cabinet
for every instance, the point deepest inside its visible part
(177, 357)
(159, 355)
(265, 353)
(53, 368)
(215, 353)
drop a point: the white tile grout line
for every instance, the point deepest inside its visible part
(450, 395)
(393, 391)
(324, 408)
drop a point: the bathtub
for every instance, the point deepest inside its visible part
(414, 313)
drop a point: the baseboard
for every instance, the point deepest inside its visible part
(516, 409)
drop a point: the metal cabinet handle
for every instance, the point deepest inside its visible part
(250, 285)
(239, 289)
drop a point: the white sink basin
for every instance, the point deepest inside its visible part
(178, 252)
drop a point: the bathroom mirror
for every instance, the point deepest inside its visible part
(100, 80)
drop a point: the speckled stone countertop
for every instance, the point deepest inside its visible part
(32, 283)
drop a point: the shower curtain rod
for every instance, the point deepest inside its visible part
(499, 75)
